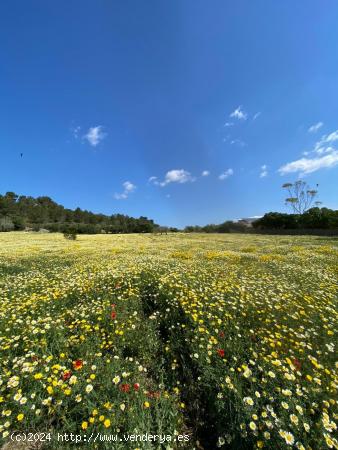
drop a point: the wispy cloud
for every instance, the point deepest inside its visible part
(229, 124)
(226, 174)
(238, 142)
(95, 135)
(239, 114)
(256, 115)
(324, 155)
(324, 145)
(173, 176)
(128, 188)
(205, 173)
(315, 127)
(75, 131)
(308, 165)
(264, 171)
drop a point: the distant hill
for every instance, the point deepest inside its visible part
(22, 212)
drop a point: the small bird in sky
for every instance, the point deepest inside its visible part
(21, 155)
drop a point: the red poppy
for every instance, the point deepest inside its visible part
(221, 352)
(221, 334)
(297, 363)
(113, 315)
(125, 387)
(78, 364)
(136, 386)
(152, 394)
(66, 375)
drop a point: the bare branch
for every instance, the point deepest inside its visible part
(300, 197)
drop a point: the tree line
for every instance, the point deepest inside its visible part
(42, 213)
(300, 198)
(24, 212)
(225, 227)
(313, 219)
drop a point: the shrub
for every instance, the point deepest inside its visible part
(70, 235)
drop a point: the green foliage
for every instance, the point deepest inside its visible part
(314, 218)
(71, 236)
(6, 224)
(276, 220)
(225, 227)
(18, 212)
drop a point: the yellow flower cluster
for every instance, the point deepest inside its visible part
(149, 332)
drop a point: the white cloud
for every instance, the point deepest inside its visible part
(226, 174)
(128, 189)
(95, 135)
(315, 127)
(264, 171)
(177, 176)
(324, 145)
(205, 173)
(309, 165)
(332, 137)
(323, 150)
(324, 155)
(128, 186)
(229, 124)
(256, 115)
(239, 114)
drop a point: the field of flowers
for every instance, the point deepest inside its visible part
(229, 339)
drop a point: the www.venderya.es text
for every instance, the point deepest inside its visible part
(99, 437)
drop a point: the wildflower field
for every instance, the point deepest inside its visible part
(229, 339)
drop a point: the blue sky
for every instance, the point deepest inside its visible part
(188, 112)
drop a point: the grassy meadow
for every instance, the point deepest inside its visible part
(229, 339)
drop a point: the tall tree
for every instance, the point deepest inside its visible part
(301, 196)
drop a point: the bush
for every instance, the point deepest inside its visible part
(277, 220)
(70, 235)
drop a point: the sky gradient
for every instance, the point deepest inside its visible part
(188, 112)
